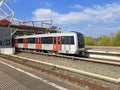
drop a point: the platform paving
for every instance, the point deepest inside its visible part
(16, 78)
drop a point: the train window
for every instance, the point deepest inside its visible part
(46, 40)
(20, 40)
(80, 40)
(70, 40)
(54, 40)
(39, 40)
(64, 40)
(31, 40)
(36, 40)
(59, 40)
(67, 40)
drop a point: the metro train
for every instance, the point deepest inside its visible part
(65, 43)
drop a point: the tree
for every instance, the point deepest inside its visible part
(104, 41)
(89, 41)
(113, 40)
(116, 39)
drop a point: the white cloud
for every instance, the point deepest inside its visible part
(89, 25)
(44, 14)
(107, 13)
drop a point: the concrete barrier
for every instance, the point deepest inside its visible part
(103, 54)
(8, 51)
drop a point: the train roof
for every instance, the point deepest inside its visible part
(50, 34)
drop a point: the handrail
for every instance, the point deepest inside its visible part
(6, 12)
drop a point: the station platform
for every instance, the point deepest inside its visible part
(17, 77)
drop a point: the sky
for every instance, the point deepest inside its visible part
(93, 18)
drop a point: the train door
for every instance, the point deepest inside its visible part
(38, 43)
(57, 43)
(25, 43)
(15, 43)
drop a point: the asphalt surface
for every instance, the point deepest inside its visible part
(16, 77)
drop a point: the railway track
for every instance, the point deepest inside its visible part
(74, 75)
(58, 74)
(78, 58)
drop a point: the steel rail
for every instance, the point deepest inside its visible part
(100, 61)
(109, 79)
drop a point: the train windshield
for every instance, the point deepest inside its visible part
(80, 40)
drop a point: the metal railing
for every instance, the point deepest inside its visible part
(6, 13)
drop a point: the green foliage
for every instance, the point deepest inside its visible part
(113, 40)
(89, 41)
(104, 41)
(116, 39)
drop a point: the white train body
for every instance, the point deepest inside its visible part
(68, 43)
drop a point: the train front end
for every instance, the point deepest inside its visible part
(80, 44)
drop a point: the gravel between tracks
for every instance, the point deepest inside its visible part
(102, 69)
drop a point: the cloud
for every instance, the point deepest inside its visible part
(77, 6)
(107, 13)
(99, 30)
